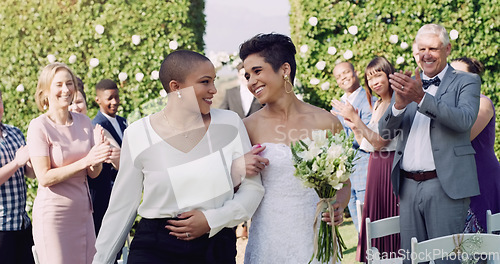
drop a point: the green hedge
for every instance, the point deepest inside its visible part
(325, 31)
(77, 32)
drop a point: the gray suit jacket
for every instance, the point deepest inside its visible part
(453, 111)
(232, 101)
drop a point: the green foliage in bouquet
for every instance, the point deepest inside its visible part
(324, 163)
(98, 39)
(327, 32)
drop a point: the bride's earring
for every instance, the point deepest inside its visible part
(287, 80)
(179, 94)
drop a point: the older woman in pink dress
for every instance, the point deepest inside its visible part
(63, 153)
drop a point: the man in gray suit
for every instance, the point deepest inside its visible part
(434, 171)
(239, 99)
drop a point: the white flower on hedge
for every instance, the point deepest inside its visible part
(139, 76)
(453, 34)
(304, 48)
(325, 86)
(94, 62)
(173, 45)
(99, 29)
(348, 54)
(313, 21)
(393, 39)
(314, 81)
(321, 65)
(332, 50)
(163, 93)
(122, 76)
(51, 58)
(155, 75)
(136, 39)
(20, 88)
(72, 59)
(400, 60)
(404, 45)
(353, 30)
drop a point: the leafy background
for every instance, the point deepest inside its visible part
(34, 31)
(323, 30)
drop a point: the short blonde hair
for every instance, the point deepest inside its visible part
(44, 81)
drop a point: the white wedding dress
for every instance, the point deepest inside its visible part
(281, 230)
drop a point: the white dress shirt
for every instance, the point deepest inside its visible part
(246, 99)
(418, 155)
(351, 97)
(115, 124)
(170, 181)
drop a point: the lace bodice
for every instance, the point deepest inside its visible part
(282, 227)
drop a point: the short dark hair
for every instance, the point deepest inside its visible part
(473, 65)
(106, 84)
(276, 49)
(378, 64)
(177, 66)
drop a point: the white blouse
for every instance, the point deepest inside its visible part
(170, 181)
(367, 147)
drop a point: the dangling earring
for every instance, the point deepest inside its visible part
(179, 94)
(287, 80)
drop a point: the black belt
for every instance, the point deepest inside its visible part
(420, 176)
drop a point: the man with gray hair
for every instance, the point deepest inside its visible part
(434, 171)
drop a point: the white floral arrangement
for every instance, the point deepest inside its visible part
(324, 163)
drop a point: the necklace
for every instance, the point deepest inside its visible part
(186, 134)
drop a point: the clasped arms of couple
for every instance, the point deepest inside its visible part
(196, 173)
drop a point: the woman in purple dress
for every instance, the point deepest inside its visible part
(488, 168)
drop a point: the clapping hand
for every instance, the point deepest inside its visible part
(345, 110)
(406, 88)
(22, 156)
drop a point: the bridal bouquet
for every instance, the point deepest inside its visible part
(324, 163)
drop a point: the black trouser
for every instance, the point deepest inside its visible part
(153, 244)
(15, 246)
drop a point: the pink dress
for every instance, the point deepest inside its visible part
(63, 229)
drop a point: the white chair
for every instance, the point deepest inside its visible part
(442, 247)
(359, 210)
(492, 221)
(35, 255)
(381, 228)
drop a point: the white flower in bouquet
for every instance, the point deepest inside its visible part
(173, 45)
(136, 39)
(94, 62)
(155, 75)
(332, 50)
(324, 163)
(139, 76)
(313, 21)
(51, 58)
(20, 88)
(393, 39)
(99, 29)
(72, 59)
(453, 34)
(353, 30)
(122, 76)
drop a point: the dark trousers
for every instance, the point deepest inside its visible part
(153, 244)
(15, 246)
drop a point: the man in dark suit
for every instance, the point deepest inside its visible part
(107, 97)
(239, 99)
(434, 170)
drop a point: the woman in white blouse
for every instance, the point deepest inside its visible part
(186, 163)
(380, 201)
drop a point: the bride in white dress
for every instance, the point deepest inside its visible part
(282, 227)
